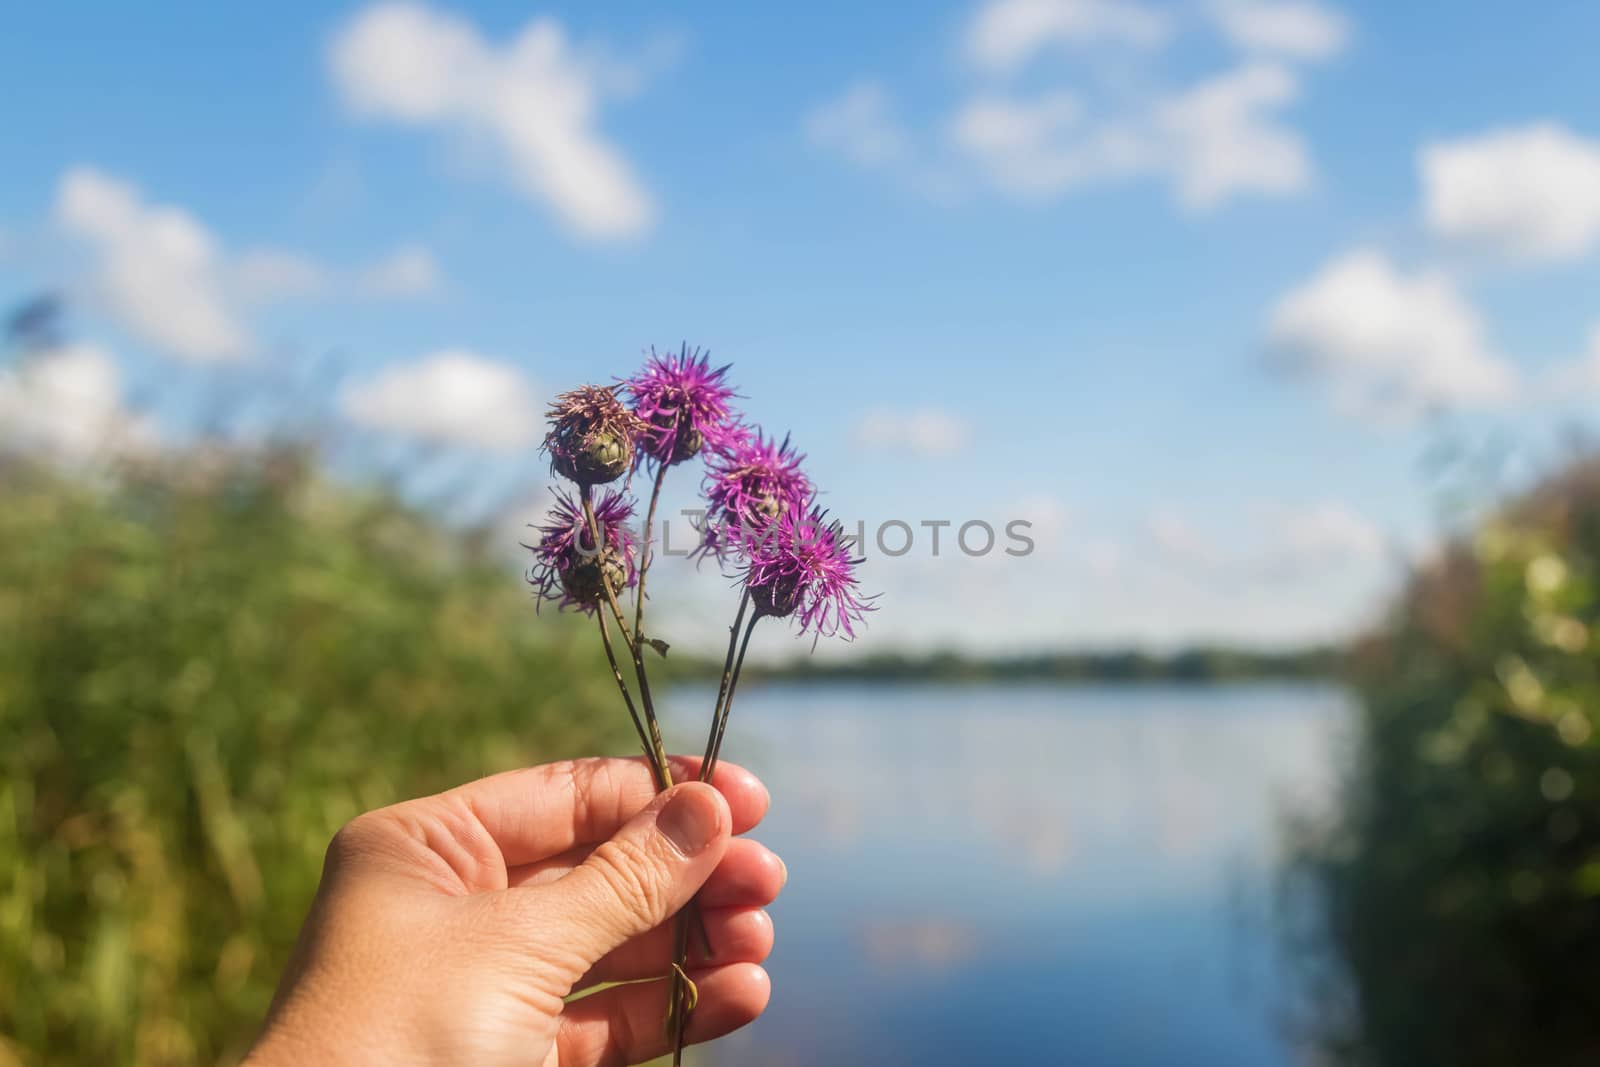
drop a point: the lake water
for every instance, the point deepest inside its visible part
(1026, 875)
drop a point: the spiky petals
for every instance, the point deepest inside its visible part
(749, 485)
(567, 567)
(683, 405)
(802, 567)
(592, 434)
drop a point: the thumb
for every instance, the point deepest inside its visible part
(648, 871)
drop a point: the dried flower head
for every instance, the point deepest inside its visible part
(802, 567)
(683, 405)
(591, 435)
(569, 567)
(749, 485)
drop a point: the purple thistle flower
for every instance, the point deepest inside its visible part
(591, 435)
(683, 405)
(802, 567)
(567, 568)
(752, 483)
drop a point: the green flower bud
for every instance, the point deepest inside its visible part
(584, 576)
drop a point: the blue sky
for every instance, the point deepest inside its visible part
(1191, 285)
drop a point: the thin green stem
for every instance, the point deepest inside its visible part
(678, 1015)
(707, 768)
(681, 993)
(644, 555)
(589, 519)
(727, 683)
(679, 1009)
(715, 750)
(627, 698)
(657, 748)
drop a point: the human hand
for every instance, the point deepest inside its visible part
(451, 929)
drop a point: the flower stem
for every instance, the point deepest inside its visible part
(714, 747)
(681, 992)
(678, 1016)
(679, 1008)
(658, 749)
(627, 698)
(730, 679)
(727, 683)
(644, 554)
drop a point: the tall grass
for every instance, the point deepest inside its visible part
(207, 664)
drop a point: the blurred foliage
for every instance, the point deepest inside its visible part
(1453, 901)
(206, 666)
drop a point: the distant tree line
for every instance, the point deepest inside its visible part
(1205, 664)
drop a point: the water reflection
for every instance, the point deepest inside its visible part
(1030, 875)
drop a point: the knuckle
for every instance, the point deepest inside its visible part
(607, 791)
(350, 842)
(632, 875)
(584, 774)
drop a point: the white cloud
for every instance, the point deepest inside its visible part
(166, 279)
(1177, 540)
(159, 268)
(1005, 34)
(1329, 532)
(1041, 147)
(68, 403)
(267, 274)
(409, 271)
(1300, 29)
(1016, 127)
(1219, 136)
(923, 431)
(535, 98)
(1049, 515)
(1529, 193)
(860, 124)
(1225, 138)
(1102, 557)
(1218, 139)
(1390, 345)
(1294, 541)
(1280, 574)
(449, 397)
(263, 275)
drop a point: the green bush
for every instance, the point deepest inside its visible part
(1456, 895)
(206, 666)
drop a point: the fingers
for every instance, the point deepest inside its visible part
(627, 1024)
(750, 874)
(738, 935)
(748, 879)
(631, 883)
(538, 812)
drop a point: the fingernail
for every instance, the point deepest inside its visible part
(783, 870)
(690, 819)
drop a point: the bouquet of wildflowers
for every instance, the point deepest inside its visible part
(762, 528)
